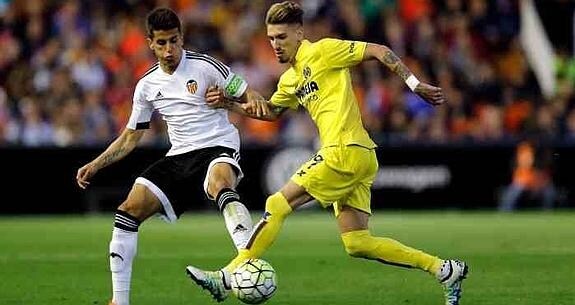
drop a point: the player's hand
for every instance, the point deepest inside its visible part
(215, 97)
(84, 174)
(258, 108)
(431, 94)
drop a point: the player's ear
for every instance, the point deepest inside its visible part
(150, 42)
(299, 32)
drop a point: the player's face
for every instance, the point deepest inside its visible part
(167, 47)
(285, 40)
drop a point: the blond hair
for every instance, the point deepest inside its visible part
(285, 12)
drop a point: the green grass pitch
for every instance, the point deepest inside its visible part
(525, 258)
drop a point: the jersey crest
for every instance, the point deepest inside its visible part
(192, 86)
(306, 72)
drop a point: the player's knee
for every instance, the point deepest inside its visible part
(221, 176)
(215, 186)
(278, 206)
(128, 206)
(355, 243)
(136, 209)
(141, 203)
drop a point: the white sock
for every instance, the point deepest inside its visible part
(237, 217)
(122, 251)
(238, 222)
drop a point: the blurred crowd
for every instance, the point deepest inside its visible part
(68, 69)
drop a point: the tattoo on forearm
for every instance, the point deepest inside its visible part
(112, 156)
(390, 58)
(396, 65)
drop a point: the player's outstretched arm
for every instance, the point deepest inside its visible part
(431, 94)
(120, 148)
(251, 104)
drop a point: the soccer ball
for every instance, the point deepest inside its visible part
(254, 281)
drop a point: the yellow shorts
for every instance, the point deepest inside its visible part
(340, 175)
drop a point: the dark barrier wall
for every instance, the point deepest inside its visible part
(43, 180)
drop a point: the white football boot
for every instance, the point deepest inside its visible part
(452, 274)
(216, 282)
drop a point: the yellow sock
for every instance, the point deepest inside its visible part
(265, 232)
(386, 250)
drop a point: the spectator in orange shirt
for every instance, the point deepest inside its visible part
(531, 174)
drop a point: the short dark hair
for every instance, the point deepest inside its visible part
(285, 12)
(162, 19)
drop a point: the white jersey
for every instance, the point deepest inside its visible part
(180, 99)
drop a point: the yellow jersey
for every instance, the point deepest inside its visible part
(320, 81)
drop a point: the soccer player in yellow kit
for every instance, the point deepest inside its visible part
(341, 173)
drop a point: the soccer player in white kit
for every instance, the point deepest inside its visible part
(204, 149)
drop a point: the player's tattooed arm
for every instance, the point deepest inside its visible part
(112, 156)
(120, 148)
(429, 93)
(388, 58)
(259, 108)
(251, 104)
(396, 65)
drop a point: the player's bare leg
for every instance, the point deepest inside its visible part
(140, 204)
(359, 242)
